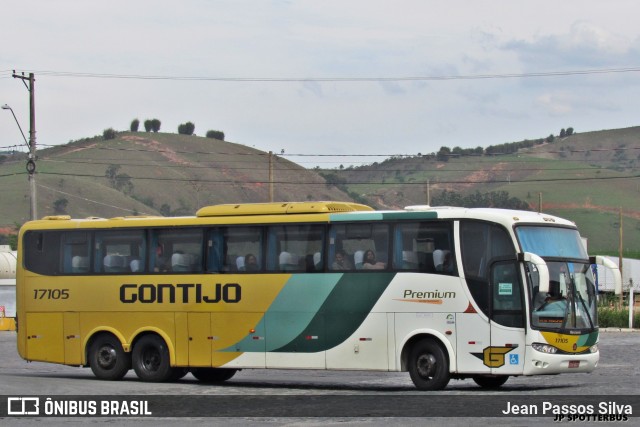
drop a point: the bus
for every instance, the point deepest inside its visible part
(443, 293)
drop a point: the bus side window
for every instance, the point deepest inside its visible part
(176, 250)
(120, 251)
(481, 243)
(42, 252)
(75, 252)
(296, 247)
(241, 249)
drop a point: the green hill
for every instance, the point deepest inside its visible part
(151, 173)
(586, 177)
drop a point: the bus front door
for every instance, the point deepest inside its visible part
(505, 356)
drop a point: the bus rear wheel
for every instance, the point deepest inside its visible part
(107, 358)
(151, 359)
(213, 375)
(489, 381)
(428, 365)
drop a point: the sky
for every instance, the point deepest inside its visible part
(323, 77)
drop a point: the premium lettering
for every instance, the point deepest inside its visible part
(180, 293)
(408, 293)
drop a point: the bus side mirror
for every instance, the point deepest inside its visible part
(607, 263)
(543, 270)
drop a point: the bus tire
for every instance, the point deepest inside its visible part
(151, 359)
(213, 375)
(428, 365)
(107, 358)
(490, 381)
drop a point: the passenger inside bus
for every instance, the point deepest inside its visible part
(442, 261)
(341, 262)
(369, 261)
(251, 263)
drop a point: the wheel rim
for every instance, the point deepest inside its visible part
(151, 360)
(426, 365)
(107, 357)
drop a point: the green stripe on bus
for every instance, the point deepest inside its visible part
(588, 340)
(409, 215)
(291, 311)
(360, 216)
(342, 312)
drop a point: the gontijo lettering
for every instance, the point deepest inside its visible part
(180, 293)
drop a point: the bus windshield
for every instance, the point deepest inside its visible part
(570, 303)
(551, 242)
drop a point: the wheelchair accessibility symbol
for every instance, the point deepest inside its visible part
(513, 359)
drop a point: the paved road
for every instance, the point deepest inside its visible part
(618, 375)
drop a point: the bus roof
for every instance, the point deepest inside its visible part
(322, 211)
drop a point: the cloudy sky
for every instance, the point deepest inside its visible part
(324, 76)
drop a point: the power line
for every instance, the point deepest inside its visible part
(351, 79)
(89, 200)
(390, 155)
(170, 164)
(235, 182)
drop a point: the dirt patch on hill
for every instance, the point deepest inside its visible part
(164, 151)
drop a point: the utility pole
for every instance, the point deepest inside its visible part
(620, 258)
(540, 202)
(31, 162)
(428, 191)
(270, 176)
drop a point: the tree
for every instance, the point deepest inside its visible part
(155, 125)
(215, 134)
(443, 154)
(135, 124)
(550, 138)
(109, 134)
(147, 125)
(111, 173)
(563, 133)
(569, 131)
(60, 206)
(186, 128)
(119, 181)
(165, 210)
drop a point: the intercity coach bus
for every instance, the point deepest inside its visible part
(439, 292)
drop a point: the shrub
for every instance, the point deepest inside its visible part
(609, 317)
(215, 134)
(186, 128)
(109, 134)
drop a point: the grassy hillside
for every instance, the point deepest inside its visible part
(586, 177)
(168, 174)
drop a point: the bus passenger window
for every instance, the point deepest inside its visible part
(425, 246)
(120, 251)
(75, 252)
(295, 248)
(177, 251)
(241, 249)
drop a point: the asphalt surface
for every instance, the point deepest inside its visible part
(295, 397)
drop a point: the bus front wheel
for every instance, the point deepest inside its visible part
(151, 359)
(107, 358)
(428, 365)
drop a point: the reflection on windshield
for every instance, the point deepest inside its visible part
(571, 300)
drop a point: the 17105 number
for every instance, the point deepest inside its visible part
(51, 294)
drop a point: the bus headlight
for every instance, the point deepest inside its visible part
(544, 348)
(594, 348)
